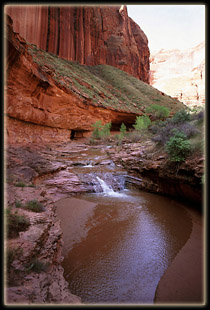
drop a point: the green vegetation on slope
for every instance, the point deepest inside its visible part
(180, 136)
(102, 85)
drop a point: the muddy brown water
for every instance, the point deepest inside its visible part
(118, 245)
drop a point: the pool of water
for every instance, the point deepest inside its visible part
(125, 243)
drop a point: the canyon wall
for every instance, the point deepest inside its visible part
(39, 110)
(90, 35)
(51, 99)
(180, 74)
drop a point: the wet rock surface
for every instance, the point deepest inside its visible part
(43, 174)
(158, 174)
(48, 174)
(33, 175)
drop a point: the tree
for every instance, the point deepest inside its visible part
(157, 111)
(101, 131)
(123, 129)
(142, 122)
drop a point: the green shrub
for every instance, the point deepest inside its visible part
(20, 184)
(157, 111)
(18, 204)
(36, 265)
(142, 122)
(101, 131)
(123, 129)
(10, 178)
(178, 147)
(35, 206)
(16, 223)
(11, 255)
(181, 116)
(97, 128)
(105, 131)
(31, 185)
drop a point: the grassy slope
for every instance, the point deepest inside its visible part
(103, 85)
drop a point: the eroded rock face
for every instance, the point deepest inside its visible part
(180, 74)
(155, 173)
(89, 35)
(39, 110)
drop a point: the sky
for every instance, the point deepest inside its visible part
(170, 26)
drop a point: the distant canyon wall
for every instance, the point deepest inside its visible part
(180, 74)
(91, 35)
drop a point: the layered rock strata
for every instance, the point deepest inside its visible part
(180, 74)
(155, 173)
(35, 105)
(91, 35)
(49, 99)
(34, 274)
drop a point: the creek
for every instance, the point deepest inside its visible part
(118, 241)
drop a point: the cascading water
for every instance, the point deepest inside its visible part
(121, 241)
(107, 190)
(105, 187)
(110, 185)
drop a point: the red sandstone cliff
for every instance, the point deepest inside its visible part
(40, 110)
(89, 35)
(48, 98)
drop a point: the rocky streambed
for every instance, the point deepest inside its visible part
(48, 174)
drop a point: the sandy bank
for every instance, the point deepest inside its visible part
(182, 282)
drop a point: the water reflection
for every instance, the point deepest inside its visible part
(131, 240)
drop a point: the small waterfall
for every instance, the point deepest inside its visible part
(105, 187)
(107, 183)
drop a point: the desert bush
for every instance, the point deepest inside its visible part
(123, 130)
(105, 131)
(97, 126)
(20, 184)
(18, 204)
(134, 136)
(11, 255)
(119, 137)
(156, 126)
(31, 185)
(178, 147)
(142, 122)
(198, 116)
(181, 117)
(164, 131)
(188, 129)
(36, 265)
(16, 223)
(35, 206)
(100, 130)
(157, 111)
